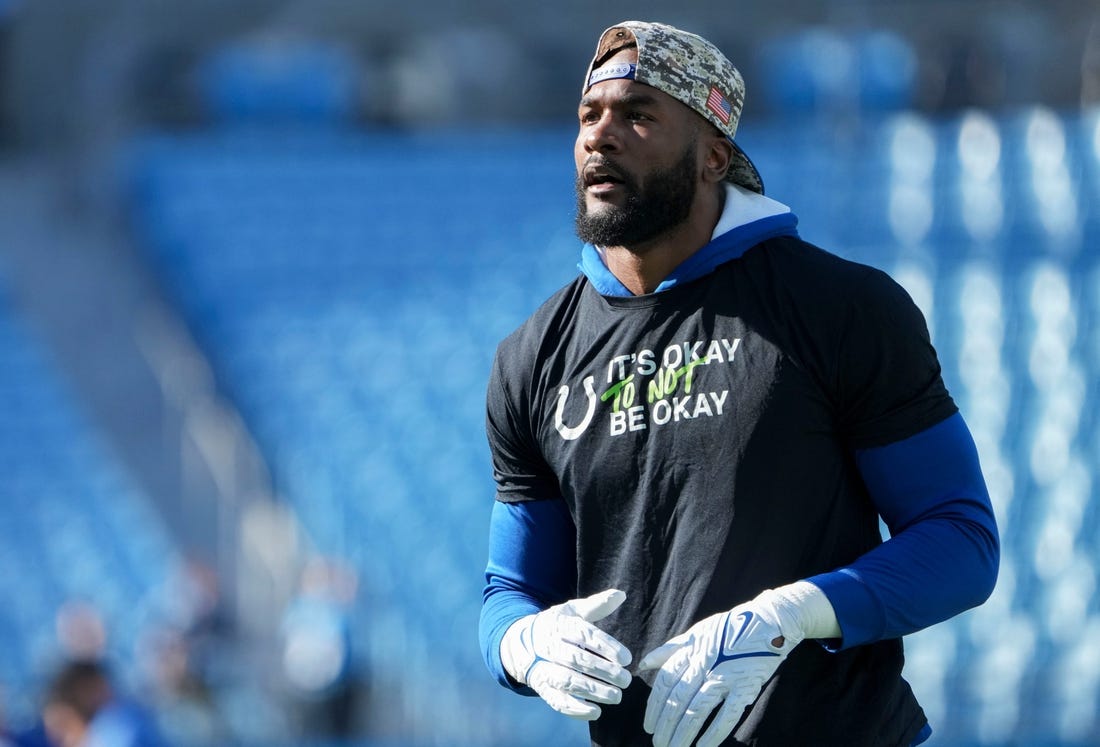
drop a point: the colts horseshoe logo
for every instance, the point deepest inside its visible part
(571, 433)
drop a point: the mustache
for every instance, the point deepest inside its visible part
(600, 162)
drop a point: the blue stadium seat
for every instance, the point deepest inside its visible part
(280, 79)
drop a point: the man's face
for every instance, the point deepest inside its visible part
(637, 161)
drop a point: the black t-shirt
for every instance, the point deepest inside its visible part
(703, 441)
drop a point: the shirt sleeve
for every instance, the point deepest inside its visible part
(520, 471)
(943, 553)
(532, 566)
(887, 377)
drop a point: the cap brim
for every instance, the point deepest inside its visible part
(742, 171)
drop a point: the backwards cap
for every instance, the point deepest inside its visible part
(689, 69)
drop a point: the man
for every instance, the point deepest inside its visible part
(693, 443)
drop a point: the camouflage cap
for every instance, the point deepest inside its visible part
(688, 68)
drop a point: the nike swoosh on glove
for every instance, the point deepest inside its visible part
(568, 661)
(721, 662)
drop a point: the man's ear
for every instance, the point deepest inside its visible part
(717, 158)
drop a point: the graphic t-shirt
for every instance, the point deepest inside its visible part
(702, 439)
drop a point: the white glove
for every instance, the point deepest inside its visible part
(726, 659)
(566, 659)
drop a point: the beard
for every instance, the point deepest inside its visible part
(664, 203)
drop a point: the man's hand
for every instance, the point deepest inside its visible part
(566, 659)
(724, 659)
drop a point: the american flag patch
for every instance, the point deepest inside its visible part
(718, 104)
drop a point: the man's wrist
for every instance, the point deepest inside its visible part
(803, 607)
(514, 655)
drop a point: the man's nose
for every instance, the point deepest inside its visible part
(603, 136)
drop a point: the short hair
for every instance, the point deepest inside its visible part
(83, 685)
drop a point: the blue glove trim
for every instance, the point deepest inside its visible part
(722, 656)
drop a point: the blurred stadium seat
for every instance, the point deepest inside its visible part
(278, 77)
(819, 70)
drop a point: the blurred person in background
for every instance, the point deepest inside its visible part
(324, 679)
(81, 638)
(83, 709)
(184, 652)
(694, 442)
(191, 601)
(183, 703)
